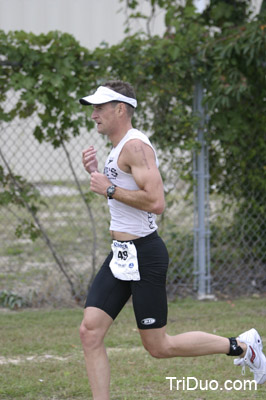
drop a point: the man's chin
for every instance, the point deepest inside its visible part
(100, 129)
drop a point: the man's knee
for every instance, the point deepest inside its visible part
(154, 350)
(89, 333)
(156, 342)
(94, 327)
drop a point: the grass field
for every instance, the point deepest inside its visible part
(41, 356)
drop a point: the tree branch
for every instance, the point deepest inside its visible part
(59, 260)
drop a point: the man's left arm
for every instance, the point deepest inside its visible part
(140, 160)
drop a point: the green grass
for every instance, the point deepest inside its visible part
(27, 338)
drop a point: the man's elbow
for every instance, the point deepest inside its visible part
(158, 207)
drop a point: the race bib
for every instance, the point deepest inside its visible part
(124, 264)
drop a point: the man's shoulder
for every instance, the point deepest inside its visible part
(136, 135)
(135, 144)
(133, 132)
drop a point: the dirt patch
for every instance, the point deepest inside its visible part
(50, 357)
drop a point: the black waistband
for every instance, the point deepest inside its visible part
(142, 239)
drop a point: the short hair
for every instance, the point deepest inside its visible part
(124, 88)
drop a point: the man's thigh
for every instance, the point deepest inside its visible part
(149, 294)
(108, 293)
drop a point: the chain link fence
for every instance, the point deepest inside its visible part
(76, 225)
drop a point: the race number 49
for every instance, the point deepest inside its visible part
(122, 255)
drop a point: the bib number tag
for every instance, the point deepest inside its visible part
(124, 264)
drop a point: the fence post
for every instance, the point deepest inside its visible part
(201, 204)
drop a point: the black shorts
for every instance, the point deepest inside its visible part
(148, 294)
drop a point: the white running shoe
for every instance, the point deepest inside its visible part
(251, 337)
(254, 357)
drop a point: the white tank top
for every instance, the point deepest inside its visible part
(125, 218)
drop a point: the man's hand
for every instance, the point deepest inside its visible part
(89, 160)
(99, 183)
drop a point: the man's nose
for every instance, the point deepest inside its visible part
(94, 114)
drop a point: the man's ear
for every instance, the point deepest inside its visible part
(121, 108)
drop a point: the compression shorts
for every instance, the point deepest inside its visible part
(148, 294)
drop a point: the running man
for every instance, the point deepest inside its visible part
(138, 261)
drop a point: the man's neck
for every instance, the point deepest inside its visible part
(119, 134)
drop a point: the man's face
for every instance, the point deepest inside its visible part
(105, 117)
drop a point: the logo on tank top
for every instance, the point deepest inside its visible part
(151, 220)
(111, 173)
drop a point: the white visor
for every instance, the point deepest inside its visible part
(105, 95)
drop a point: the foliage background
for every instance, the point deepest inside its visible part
(225, 51)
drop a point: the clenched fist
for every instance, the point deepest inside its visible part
(99, 183)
